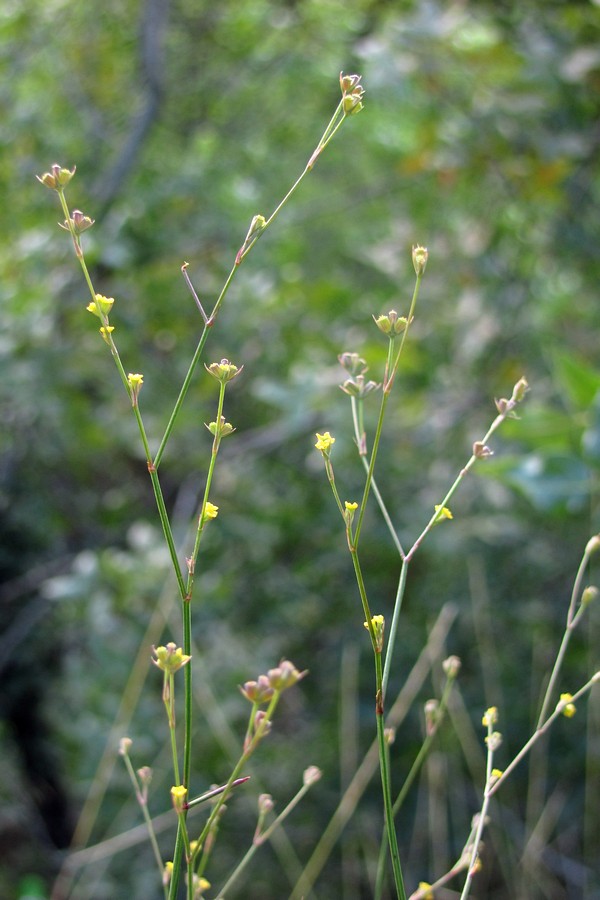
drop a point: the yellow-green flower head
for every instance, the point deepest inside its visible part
(103, 305)
(324, 442)
(490, 717)
(170, 658)
(425, 892)
(222, 428)
(224, 371)
(566, 707)
(106, 333)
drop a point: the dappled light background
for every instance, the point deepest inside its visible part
(480, 139)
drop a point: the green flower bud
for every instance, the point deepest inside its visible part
(420, 256)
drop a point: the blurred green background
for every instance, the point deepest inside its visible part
(480, 139)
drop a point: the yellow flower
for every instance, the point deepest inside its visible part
(210, 512)
(567, 708)
(102, 305)
(178, 795)
(425, 890)
(490, 717)
(324, 442)
(443, 513)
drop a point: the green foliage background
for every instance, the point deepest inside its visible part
(479, 139)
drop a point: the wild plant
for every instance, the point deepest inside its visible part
(193, 849)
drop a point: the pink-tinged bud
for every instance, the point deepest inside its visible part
(265, 804)
(257, 691)
(451, 666)
(481, 450)
(125, 746)
(520, 389)
(57, 178)
(311, 775)
(348, 82)
(284, 676)
(353, 363)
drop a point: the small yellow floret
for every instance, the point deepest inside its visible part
(324, 441)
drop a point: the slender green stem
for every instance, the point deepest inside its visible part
(391, 642)
(572, 620)
(140, 794)
(595, 679)
(260, 839)
(386, 784)
(391, 368)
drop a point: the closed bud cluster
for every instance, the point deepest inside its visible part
(223, 371)
(265, 804)
(311, 775)
(481, 450)
(353, 363)
(431, 709)
(490, 716)
(352, 94)
(257, 691)
(493, 741)
(420, 255)
(392, 323)
(57, 178)
(125, 746)
(506, 407)
(221, 428)
(145, 775)
(78, 223)
(284, 676)
(358, 387)
(262, 724)
(451, 666)
(170, 658)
